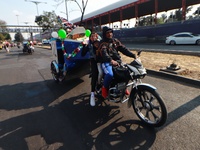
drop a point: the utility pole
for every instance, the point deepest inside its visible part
(27, 29)
(17, 19)
(36, 3)
(66, 10)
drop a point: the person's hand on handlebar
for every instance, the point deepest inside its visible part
(114, 63)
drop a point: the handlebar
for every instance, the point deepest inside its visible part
(139, 52)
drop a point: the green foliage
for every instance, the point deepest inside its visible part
(2, 23)
(178, 14)
(160, 20)
(2, 37)
(2, 26)
(47, 21)
(7, 36)
(19, 37)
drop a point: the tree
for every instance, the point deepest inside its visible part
(2, 26)
(178, 13)
(7, 36)
(3, 31)
(2, 37)
(47, 21)
(19, 37)
(162, 19)
(81, 6)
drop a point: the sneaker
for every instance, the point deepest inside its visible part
(104, 92)
(92, 100)
(127, 92)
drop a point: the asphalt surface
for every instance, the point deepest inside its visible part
(37, 113)
(161, 47)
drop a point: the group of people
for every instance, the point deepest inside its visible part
(5, 45)
(103, 56)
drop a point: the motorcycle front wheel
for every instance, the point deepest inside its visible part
(149, 106)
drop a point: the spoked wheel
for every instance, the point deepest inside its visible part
(54, 73)
(149, 106)
(58, 76)
(61, 78)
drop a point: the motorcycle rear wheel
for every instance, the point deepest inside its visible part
(30, 51)
(149, 106)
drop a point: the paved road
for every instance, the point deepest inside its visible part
(36, 113)
(185, 49)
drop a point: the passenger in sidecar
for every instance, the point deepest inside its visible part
(68, 62)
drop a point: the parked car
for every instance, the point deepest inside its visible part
(45, 41)
(183, 38)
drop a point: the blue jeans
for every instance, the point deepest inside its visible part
(107, 69)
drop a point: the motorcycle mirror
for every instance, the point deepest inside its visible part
(139, 52)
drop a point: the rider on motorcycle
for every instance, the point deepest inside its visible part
(91, 47)
(109, 56)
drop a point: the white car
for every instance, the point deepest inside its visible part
(183, 38)
(45, 41)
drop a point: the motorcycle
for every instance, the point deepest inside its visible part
(28, 48)
(148, 105)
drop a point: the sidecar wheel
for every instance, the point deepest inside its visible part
(54, 73)
(149, 106)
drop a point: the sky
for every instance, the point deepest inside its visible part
(21, 12)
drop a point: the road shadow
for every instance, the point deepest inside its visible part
(35, 94)
(69, 124)
(125, 135)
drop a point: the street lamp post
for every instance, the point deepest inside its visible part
(36, 3)
(17, 19)
(66, 9)
(27, 29)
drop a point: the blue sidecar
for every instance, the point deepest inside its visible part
(67, 64)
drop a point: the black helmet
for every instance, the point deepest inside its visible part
(104, 30)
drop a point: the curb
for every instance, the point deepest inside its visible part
(175, 77)
(170, 76)
(44, 47)
(179, 52)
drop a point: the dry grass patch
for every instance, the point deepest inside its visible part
(156, 61)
